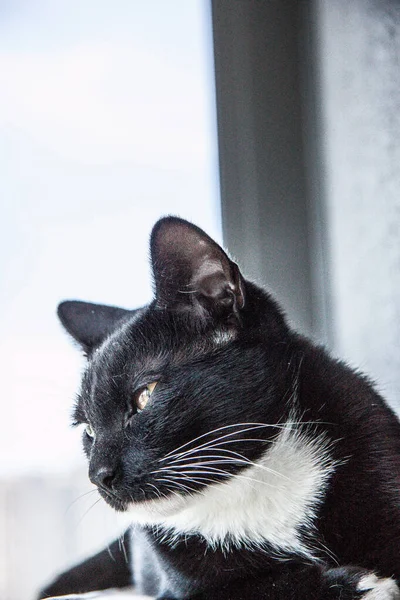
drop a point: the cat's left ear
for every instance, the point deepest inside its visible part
(88, 323)
(192, 273)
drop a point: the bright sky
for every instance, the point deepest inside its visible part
(106, 123)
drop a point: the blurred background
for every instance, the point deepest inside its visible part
(272, 125)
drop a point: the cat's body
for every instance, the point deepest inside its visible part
(253, 464)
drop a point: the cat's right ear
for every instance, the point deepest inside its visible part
(89, 324)
(193, 274)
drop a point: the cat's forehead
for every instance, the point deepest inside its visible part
(132, 341)
(152, 338)
(115, 341)
(152, 335)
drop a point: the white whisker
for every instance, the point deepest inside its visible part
(190, 490)
(79, 498)
(241, 460)
(88, 510)
(169, 488)
(158, 493)
(205, 446)
(247, 427)
(214, 431)
(121, 544)
(214, 470)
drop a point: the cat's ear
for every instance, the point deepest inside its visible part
(191, 272)
(89, 323)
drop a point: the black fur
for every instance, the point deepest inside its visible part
(107, 569)
(222, 354)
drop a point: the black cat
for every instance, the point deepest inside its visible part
(253, 465)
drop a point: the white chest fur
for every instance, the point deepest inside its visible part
(268, 502)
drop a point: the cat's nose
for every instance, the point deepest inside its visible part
(103, 477)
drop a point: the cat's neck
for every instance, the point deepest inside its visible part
(271, 502)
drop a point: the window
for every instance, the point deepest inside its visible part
(106, 123)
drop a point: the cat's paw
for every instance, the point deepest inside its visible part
(378, 588)
(353, 583)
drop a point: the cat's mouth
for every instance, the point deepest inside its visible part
(113, 500)
(122, 503)
(141, 504)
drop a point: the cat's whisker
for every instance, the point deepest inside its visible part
(181, 485)
(206, 446)
(218, 460)
(213, 480)
(158, 493)
(219, 454)
(88, 510)
(234, 462)
(215, 431)
(170, 489)
(110, 554)
(242, 459)
(213, 448)
(121, 544)
(286, 426)
(194, 469)
(213, 470)
(162, 470)
(219, 443)
(247, 427)
(79, 498)
(198, 479)
(232, 453)
(172, 480)
(328, 552)
(175, 488)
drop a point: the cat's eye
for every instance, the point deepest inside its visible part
(142, 396)
(89, 431)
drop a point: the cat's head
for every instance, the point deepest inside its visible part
(183, 393)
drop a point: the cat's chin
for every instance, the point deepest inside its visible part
(117, 505)
(148, 512)
(154, 511)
